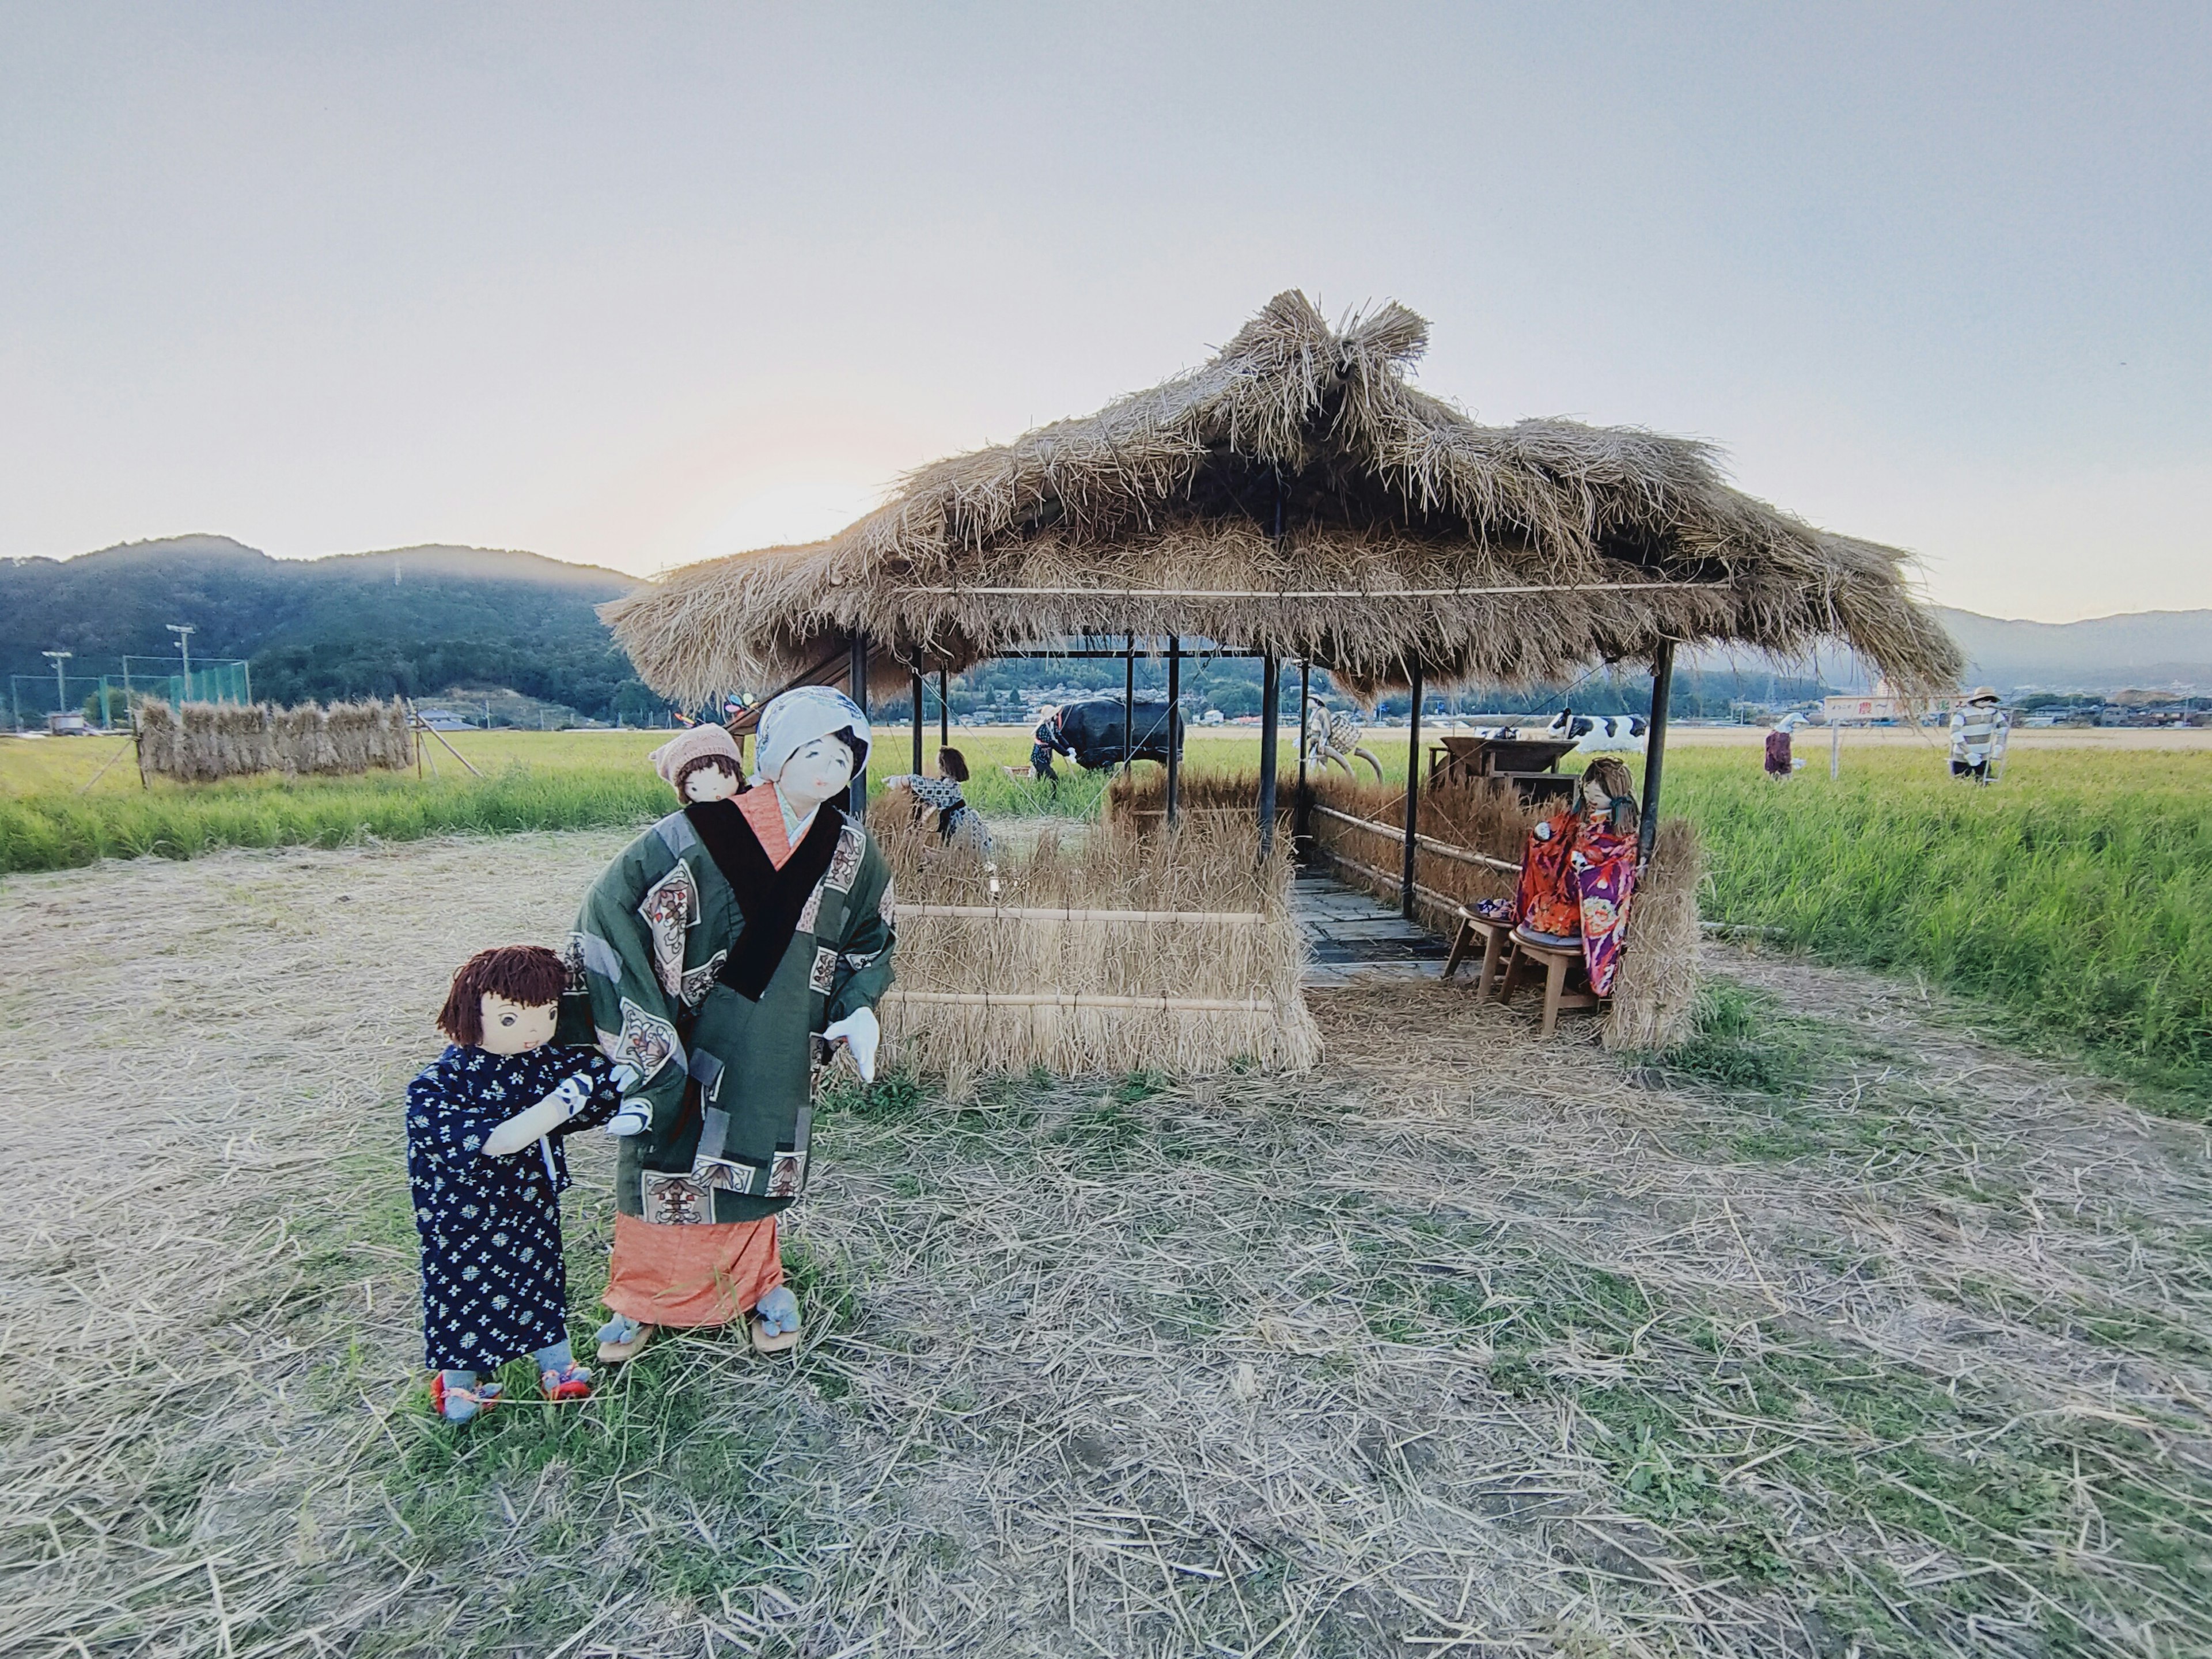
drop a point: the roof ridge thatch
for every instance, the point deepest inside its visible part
(1507, 553)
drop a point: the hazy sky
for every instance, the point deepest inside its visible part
(639, 285)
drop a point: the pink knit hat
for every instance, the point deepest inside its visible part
(705, 738)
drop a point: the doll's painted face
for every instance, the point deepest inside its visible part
(705, 783)
(515, 1028)
(816, 772)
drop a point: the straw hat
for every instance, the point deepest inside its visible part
(694, 743)
(1984, 694)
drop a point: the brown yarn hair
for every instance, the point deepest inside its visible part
(953, 764)
(529, 974)
(1612, 776)
(700, 762)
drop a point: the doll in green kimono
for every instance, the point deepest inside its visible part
(722, 956)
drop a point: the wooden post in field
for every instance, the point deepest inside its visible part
(944, 713)
(1835, 750)
(1413, 796)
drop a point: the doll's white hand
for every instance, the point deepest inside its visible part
(633, 1117)
(537, 1121)
(860, 1033)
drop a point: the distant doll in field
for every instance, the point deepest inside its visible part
(484, 1127)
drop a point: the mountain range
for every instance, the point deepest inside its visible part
(422, 621)
(417, 621)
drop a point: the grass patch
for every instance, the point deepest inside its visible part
(1773, 1455)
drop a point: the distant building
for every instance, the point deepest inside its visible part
(1882, 704)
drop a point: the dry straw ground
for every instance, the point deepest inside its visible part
(1846, 1331)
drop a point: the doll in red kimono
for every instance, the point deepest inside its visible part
(1578, 870)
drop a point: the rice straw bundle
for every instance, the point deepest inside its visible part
(1138, 800)
(210, 741)
(1655, 996)
(1175, 953)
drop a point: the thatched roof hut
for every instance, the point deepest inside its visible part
(1299, 496)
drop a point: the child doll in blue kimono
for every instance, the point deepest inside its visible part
(484, 1127)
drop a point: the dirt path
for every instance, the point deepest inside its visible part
(1849, 1329)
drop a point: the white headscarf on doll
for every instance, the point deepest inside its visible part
(794, 720)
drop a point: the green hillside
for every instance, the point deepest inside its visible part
(417, 621)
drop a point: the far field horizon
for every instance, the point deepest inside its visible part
(609, 573)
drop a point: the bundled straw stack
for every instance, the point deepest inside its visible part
(212, 741)
(1176, 955)
(1654, 997)
(1138, 800)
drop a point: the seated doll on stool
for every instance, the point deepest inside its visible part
(1578, 871)
(485, 1125)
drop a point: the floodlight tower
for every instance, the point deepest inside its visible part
(60, 689)
(184, 633)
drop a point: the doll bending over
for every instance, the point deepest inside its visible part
(484, 1127)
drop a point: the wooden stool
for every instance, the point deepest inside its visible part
(1492, 934)
(1557, 959)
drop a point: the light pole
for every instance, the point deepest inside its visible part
(61, 691)
(184, 633)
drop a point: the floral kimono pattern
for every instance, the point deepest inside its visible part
(1575, 884)
(494, 1284)
(705, 971)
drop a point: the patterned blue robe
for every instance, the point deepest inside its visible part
(494, 1283)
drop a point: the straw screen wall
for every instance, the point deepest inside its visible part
(1114, 954)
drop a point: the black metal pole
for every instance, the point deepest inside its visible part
(856, 675)
(1412, 795)
(1129, 703)
(1305, 702)
(1654, 748)
(1174, 700)
(1271, 695)
(917, 721)
(944, 713)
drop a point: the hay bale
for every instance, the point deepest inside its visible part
(1655, 995)
(1233, 944)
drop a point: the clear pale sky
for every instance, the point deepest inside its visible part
(641, 284)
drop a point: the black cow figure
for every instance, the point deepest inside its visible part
(1091, 731)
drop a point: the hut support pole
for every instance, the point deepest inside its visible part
(944, 713)
(1271, 696)
(1654, 748)
(857, 679)
(1175, 703)
(1129, 703)
(917, 721)
(1413, 798)
(1305, 698)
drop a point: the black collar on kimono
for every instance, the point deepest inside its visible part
(771, 898)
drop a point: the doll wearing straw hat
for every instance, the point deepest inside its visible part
(722, 955)
(1979, 729)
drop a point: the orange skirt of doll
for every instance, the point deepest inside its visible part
(687, 1276)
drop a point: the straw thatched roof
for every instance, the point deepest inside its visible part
(1407, 533)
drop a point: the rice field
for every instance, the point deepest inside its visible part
(2074, 898)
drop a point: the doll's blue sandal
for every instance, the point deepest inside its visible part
(621, 1338)
(775, 1322)
(455, 1404)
